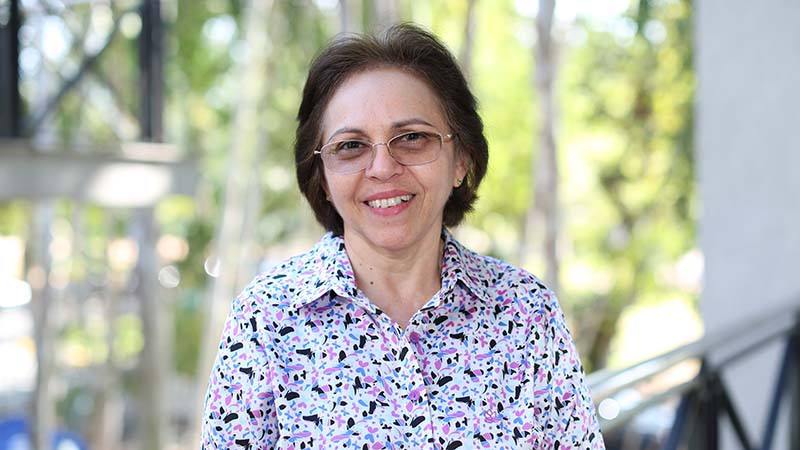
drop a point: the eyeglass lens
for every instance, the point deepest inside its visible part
(408, 149)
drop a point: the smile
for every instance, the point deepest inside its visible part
(389, 202)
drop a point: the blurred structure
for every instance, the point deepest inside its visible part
(84, 115)
(748, 145)
(50, 52)
(683, 399)
(739, 386)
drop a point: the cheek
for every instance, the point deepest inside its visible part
(328, 183)
(324, 185)
(444, 185)
(338, 188)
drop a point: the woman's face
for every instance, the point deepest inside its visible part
(388, 206)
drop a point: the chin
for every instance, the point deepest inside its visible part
(387, 238)
(392, 240)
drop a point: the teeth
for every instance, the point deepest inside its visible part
(389, 202)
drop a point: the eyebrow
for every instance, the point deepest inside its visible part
(395, 126)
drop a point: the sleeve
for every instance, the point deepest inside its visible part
(570, 420)
(239, 407)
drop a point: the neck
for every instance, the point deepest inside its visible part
(397, 282)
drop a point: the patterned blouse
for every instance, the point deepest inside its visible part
(307, 361)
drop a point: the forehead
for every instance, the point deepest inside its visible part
(375, 99)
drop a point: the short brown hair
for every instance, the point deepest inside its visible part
(404, 46)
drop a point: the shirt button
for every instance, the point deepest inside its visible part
(413, 338)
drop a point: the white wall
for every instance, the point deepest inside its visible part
(748, 155)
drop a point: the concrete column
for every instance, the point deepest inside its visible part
(748, 155)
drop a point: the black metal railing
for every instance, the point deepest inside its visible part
(698, 397)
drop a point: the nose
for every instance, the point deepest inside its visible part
(383, 166)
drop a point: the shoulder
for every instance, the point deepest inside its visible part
(277, 287)
(499, 278)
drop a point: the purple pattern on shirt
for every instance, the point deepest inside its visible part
(306, 361)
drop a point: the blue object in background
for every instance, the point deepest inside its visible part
(14, 436)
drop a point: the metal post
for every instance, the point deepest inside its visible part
(794, 412)
(10, 103)
(151, 72)
(677, 429)
(705, 433)
(726, 406)
(712, 414)
(777, 395)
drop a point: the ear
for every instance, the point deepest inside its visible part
(462, 167)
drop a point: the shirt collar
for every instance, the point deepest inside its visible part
(461, 264)
(327, 268)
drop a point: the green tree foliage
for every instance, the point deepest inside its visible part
(625, 144)
(627, 96)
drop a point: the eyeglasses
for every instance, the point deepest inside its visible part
(412, 148)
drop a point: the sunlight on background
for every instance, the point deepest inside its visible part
(569, 10)
(14, 291)
(16, 324)
(604, 75)
(650, 329)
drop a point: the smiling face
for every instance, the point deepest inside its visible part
(388, 206)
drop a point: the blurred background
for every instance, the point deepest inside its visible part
(146, 176)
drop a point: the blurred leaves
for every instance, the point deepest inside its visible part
(628, 109)
(625, 92)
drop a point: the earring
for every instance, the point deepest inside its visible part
(459, 181)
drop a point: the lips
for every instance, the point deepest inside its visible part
(389, 202)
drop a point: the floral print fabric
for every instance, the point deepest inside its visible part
(306, 361)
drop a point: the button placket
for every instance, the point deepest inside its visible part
(418, 398)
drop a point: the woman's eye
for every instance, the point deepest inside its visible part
(414, 136)
(414, 140)
(350, 146)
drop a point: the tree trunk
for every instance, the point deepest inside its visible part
(235, 232)
(42, 409)
(384, 13)
(465, 55)
(155, 358)
(347, 17)
(542, 220)
(598, 351)
(43, 412)
(107, 413)
(105, 429)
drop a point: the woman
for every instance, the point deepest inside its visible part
(389, 333)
